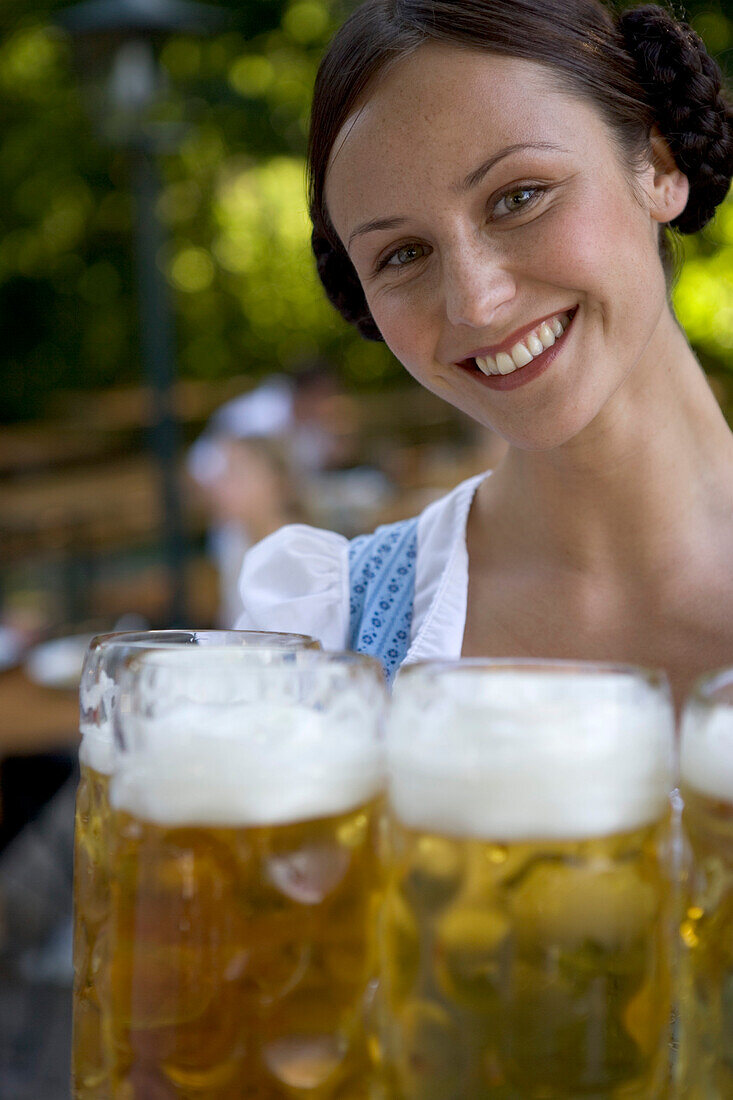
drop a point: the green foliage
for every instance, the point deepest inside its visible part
(704, 293)
(259, 275)
(64, 231)
(237, 260)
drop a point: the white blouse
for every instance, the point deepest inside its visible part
(297, 580)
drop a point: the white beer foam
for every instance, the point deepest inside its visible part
(706, 762)
(97, 751)
(98, 694)
(511, 756)
(248, 764)
(97, 697)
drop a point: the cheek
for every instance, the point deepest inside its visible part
(581, 249)
(613, 243)
(403, 324)
(609, 256)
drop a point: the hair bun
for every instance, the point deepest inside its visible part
(683, 87)
(342, 285)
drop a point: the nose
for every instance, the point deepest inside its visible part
(476, 283)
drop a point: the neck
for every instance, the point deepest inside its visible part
(638, 487)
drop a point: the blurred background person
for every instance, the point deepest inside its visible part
(240, 468)
(270, 457)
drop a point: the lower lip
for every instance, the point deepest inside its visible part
(522, 375)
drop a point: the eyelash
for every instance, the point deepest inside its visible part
(536, 189)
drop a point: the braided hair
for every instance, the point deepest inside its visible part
(641, 69)
(683, 86)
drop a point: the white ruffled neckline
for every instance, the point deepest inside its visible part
(297, 579)
(441, 579)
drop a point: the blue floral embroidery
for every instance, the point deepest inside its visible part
(382, 583)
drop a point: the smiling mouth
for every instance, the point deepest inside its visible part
(531, 349)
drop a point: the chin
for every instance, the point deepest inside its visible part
(549, 441)
(540, 437)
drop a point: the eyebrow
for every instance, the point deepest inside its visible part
(375, 224)
(471, 180)
(475, 177)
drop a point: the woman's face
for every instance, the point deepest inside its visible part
(486, 212)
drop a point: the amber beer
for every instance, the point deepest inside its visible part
(106, 657)
(706, 1009)
(91, 1042)
(246, 879)
(524, 939)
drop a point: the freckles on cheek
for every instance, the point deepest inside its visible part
(396, 330)
(611, 233)
(416, 360)
(587, 249)
(407, 355)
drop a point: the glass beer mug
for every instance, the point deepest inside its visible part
(706, 785)
(525, 936)
(106, 657)
(246, 875)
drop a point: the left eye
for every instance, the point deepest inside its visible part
(407, 254)
(516, 199)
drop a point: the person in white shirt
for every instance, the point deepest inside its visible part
(492, 189)
(255, 462)
(239, 468)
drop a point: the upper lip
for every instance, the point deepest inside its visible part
(515, 337)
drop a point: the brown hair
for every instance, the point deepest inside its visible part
(639, 69)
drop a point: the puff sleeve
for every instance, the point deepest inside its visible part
(297, 580)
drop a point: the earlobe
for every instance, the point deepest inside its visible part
(670, 189)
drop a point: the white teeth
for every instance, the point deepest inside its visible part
(546, 335)
(525, 351)
(521, 355)
(487, 364)
(505, 363)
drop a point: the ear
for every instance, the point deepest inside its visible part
(667, 188)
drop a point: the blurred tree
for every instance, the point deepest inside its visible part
(245, 291)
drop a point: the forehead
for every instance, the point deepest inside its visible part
(437, 114)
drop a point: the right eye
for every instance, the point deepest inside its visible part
(404, 255)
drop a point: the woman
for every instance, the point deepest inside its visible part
(492, 182)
